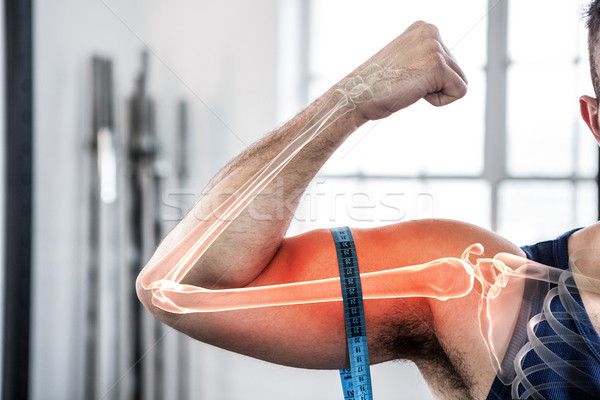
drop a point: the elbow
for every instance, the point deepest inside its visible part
(144, 295)
(139, 289)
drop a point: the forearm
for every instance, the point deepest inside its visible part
(241, 252)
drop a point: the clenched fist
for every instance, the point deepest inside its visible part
(418, 65)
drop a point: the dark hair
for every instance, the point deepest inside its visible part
(592, 16)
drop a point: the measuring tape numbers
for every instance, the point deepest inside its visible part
(356, 381)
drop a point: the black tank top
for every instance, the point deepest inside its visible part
(554, 339)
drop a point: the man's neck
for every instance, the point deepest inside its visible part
(584, 239)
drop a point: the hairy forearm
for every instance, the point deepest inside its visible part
(242, 251)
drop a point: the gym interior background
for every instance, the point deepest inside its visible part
(117, 113)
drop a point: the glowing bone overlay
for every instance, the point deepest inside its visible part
(441, 279)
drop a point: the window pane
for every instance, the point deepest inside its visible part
(462, 200)
(534, 33)
(390, 147)
(455, 133)
(542, 113)
(531, 211)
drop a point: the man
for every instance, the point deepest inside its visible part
(441, 337)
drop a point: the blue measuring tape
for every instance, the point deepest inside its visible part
(356, 381)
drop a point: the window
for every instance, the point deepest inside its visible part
(512, 156)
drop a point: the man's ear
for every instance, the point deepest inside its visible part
(589, 112)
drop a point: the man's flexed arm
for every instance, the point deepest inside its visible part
(421, 68)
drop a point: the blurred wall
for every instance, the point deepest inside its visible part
(218, 56)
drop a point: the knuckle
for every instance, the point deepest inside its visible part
(435, 56)
(432, 30)
(462, 91)
(417, 24)
(433, 46)
(428, 30)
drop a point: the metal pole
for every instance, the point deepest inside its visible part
(19, 198)
(183, 345)
(495, 113)
(100, 355)
(142, 150)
